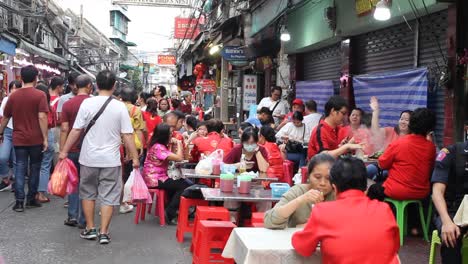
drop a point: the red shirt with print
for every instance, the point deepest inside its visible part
(329, 137)
(410, 161)
(206, 145)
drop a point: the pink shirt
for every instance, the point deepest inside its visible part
(155, 168)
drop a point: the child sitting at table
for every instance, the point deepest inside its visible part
(295, 206)
(352, 229)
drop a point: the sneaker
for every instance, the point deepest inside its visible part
(70, 222)
(90, 234)
(127, 208)
(19, 207)
(104, 239)
(33, 204)
(5, 186)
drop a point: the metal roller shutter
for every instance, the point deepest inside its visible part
(432, 33)
(324, 64)
(384, 50)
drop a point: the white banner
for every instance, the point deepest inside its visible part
(165, 3)
(250, 91)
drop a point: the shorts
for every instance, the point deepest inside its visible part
(102, 184)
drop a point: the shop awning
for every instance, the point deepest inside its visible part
(41, 52)
(8, 47)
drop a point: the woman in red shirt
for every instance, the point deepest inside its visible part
(352, 225)
(151, 117)
(267, 139)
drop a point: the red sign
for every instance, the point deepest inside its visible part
(207, 85)
(166, 60)
(185, 28)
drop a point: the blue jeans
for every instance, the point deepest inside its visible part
(75, 211)
(7, 153)
(47, 162)
(298, 159)
(374, 173)
(24, 156)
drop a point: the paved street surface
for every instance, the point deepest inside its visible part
(39, 236)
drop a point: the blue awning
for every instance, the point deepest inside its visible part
(7, 46)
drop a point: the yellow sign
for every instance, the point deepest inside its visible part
(363, 7)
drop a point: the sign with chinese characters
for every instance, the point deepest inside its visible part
(250, 91)
(165, 3)
(208, 86)
(166, 60)
(233, 53)
(186, 28)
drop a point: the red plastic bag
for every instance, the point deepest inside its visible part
(139, 189)
(59, 179)
(73, 180)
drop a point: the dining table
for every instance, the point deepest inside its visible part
(260, 245)
(191, 174)
(255, 195)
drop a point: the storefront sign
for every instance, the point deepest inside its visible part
(186, 28)
(250, 91)
(42, 67)
(166, 60)
(232, 53)
(165, 3)
(208, 86)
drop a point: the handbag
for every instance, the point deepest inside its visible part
(295, 146)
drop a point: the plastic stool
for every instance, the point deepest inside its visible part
(401, 216)
(159, 207)
(184, 225)
(257, 217)
(435, 241)
(213, 235)
(304, 174)
(204, 213)
(288, 170)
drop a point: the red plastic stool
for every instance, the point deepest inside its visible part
(213, 235)
(288, 170)
(159, 207)
(212, 213)
(257, 217)
(304, 174)
(183, 223)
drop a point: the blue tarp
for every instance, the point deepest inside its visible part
(7, 47)
(319, 91)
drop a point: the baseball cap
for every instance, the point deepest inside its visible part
(298, 102)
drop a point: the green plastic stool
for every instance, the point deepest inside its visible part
(402, 216)
(435, 241)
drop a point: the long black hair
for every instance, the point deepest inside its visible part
(152, 106)
(250, 132)
(268, 133)
(161, 135)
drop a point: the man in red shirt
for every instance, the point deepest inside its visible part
(186, 104)
(326, 136)
(214, 140)
(69, 113)
(409, 161)
(175, 119)
(28, 107)
(369, 223)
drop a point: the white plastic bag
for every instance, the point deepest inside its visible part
(204, 167)
(127, 196)
(297, 179)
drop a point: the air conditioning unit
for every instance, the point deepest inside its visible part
(15, 23)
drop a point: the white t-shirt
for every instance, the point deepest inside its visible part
(294, 133)
(2, 108)
(101, 146)
(63, 99)
(281, 109)
(311, 121)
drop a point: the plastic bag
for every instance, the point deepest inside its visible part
(73, 180)
(204, 167)
(139, 189)
(127, 196)
(59, 179)
(217, 155)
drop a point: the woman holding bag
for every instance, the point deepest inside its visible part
(155, 170)
(294, 135)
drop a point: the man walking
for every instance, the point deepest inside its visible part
(69, 113)
(105, 121)
(28, 107)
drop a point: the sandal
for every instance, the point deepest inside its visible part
(42, 198)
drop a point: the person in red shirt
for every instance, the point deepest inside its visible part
(410, 161)
(369, 224)
(326, 136)
(151, 117)
(297, 106)
(186, 104)
(213, 141)
(68, 116)
(175, 119)
(276, 157)
(28, 107)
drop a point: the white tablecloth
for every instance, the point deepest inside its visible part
(261, 245)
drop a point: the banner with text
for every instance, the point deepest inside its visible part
(166, 60)
(250, 91)
(186, 28)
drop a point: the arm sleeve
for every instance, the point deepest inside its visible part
(233, 156)
(443, 162)
(138, 120)
(43, 105)
(386, 160)
(272, 220)
(125, 122)
(65, 114)
(264, 153)
(60, 104)
(305, 241)
(261, 104)
(81, 120)
(161, 153)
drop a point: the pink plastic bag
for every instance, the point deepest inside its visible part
(73, 180)
(139, 189)
(58, 180)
